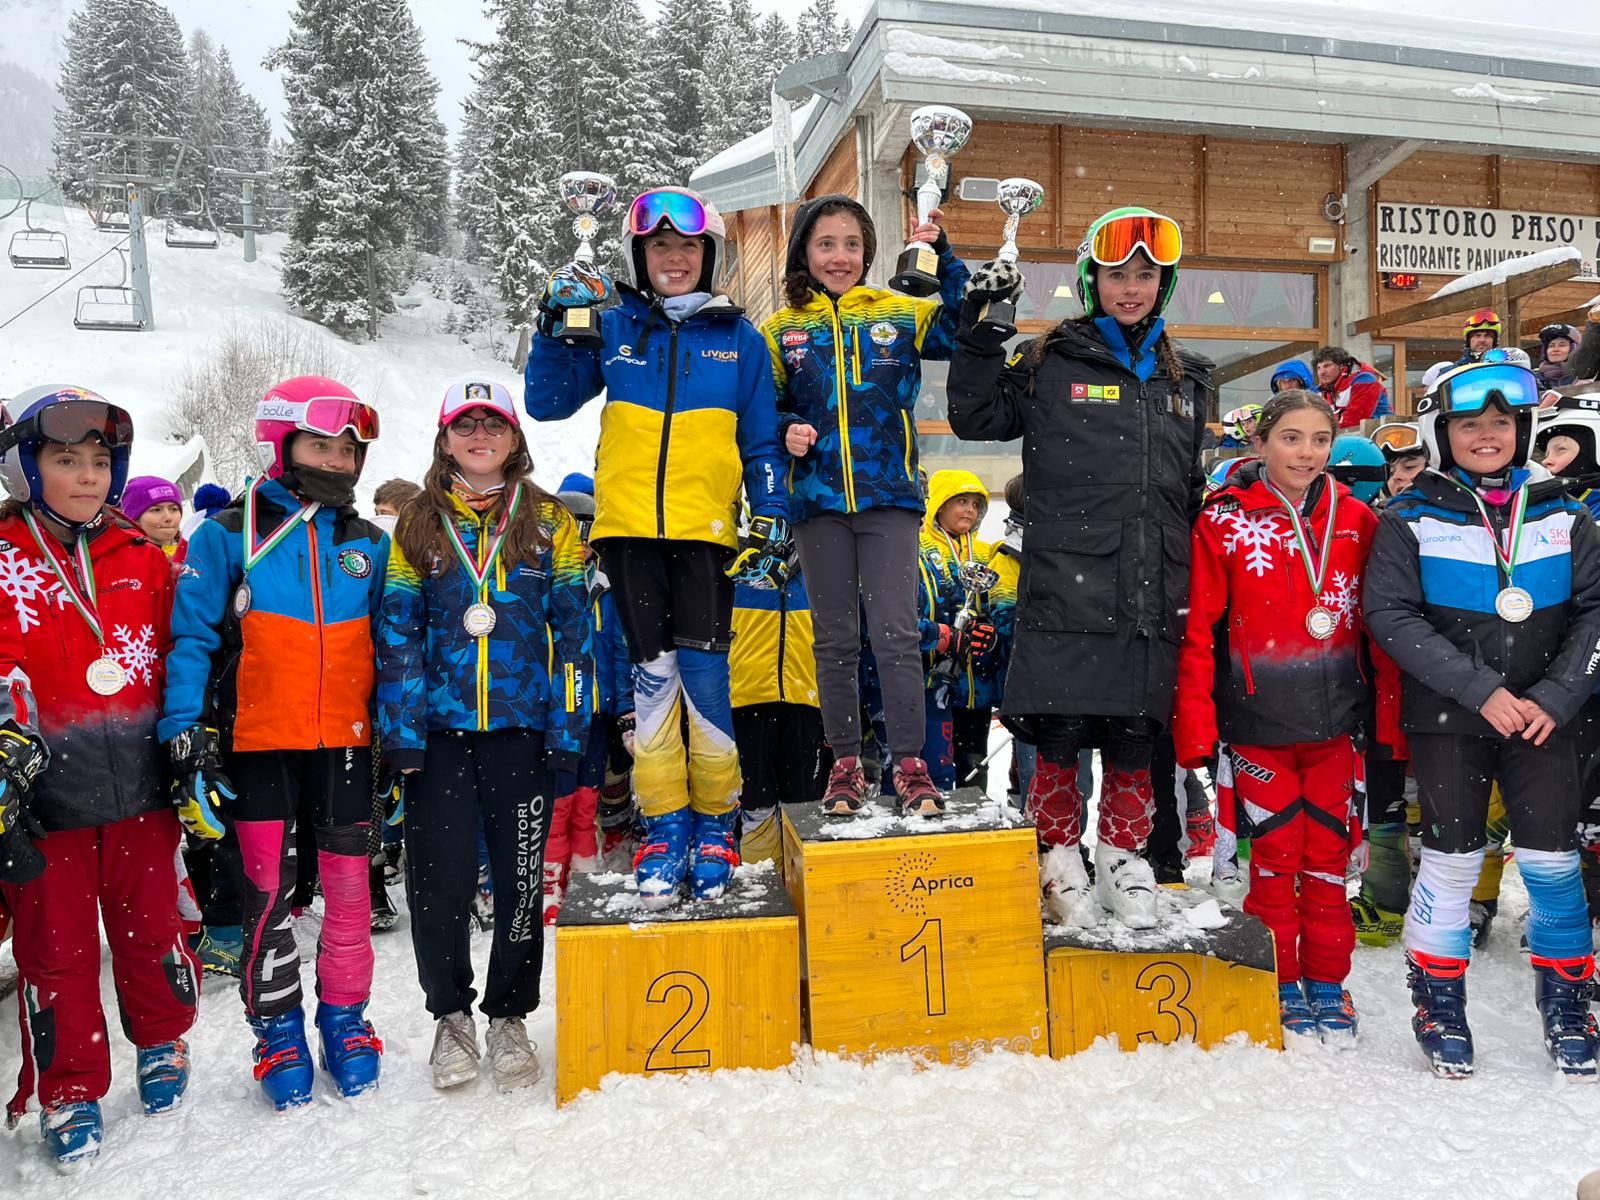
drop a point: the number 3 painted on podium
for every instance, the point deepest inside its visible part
(698, 994)
(1178, 987)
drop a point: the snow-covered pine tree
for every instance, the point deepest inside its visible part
(421, 135)
(474, 184)
(681, 72)
(777, 43)
(244, 143)
(741, 76)
(819, 29)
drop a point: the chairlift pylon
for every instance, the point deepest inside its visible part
(114, 308)
(37, 248)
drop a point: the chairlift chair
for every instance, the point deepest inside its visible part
(38, 249)
(194, 230)
(115, 308)
(113, 220)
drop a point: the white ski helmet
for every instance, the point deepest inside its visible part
(691, 215)
(1470, 389)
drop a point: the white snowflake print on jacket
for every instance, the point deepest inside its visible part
(28, 582)
(1339, 597)
(1256, 534)
(136, 652)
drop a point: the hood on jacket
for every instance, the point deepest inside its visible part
(800, 232)
(946, 485)
(1296, 368)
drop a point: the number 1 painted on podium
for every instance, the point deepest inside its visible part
(929, 942)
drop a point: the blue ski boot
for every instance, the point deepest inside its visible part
(1335, 1013)
(1439, 990)
(714, 857)
(220, 948)
(1563, 987)
(163, 1075)
(283, 1060)
(351, 1051)
(663, 858)
(72, 1132)
(1298, 1021)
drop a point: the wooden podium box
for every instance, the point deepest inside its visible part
(920, 935)
(1175, 981)
(701, 986)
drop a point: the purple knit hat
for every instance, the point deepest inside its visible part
(144, 492)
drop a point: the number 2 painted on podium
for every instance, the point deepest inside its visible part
(698, 994)
(929, 942)
(1171, 1005)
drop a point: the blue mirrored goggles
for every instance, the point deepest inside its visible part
(1505, 386)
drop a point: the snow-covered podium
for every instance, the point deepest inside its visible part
(698, 987)
(1204, 973)
(920, 936)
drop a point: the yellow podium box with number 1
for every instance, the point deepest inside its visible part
(921, 935)
(698, 987)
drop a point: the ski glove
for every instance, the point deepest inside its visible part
(994, 281)
(21, 760)
(393, 791)
(625, 725)
(763, 558)
(201, 789)
(975, 641)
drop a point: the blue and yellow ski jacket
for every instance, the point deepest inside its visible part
(613, 667)
(979, 682)
(772, 659)
(690, 417)
(852, 369)
(531, 671)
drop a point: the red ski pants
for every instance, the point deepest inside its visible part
(125, 875)
(1296, 802)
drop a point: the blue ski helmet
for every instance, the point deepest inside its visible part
(69, 415)
(1357, 463)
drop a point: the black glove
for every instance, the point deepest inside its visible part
(994, 281)
(763, 558)
(201, 788)
(975, 641)
(625, 726)
(22, 758)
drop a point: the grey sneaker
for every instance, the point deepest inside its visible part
(455, 1054)
(515, 1063)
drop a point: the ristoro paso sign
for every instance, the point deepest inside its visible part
(1436, 239)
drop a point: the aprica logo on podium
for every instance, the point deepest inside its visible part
(915, 877)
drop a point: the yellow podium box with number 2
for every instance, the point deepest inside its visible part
(699, 987)
(920, 935)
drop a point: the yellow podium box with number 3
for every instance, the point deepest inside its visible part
(699, 987)
(920, 935)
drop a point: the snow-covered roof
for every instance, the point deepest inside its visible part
(757, 146)
(1509, 268)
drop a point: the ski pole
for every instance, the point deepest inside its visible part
(973, 774)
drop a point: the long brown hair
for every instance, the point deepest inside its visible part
(420, 534)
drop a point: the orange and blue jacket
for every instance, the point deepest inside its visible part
(282, 660)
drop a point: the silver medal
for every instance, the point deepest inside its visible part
(241, 600)
(1514, 604)
(1320, 623)
(478, 620)
(106, 677)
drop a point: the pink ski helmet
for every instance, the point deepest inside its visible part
(310, 404)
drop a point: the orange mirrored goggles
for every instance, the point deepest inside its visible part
(1118, 240)
(1397, 438)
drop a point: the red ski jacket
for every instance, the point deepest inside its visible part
(1250, 672)
(105, 764)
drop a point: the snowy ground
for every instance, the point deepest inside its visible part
(1165, 1121)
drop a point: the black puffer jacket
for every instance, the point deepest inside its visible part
(1113, 480)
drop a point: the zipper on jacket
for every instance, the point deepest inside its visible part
(1244, 657)
(316, 613)
(666, 432)
(855, 354)
(783, 629)
(844, 412)
(1141, 569)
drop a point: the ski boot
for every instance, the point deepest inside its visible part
(1167, 872)
(384, 915)
(1375, 926)
(1068, 894)
(1125, 886)
(918, 795)
(351, 1052)
(712, 858)
(1334, 1011)
(1480, 915)
(282, 1058)
(72, 1133)
(1295, 1015)
(220, 948)
(163, 1076)
(846, 793)
(662, 859)
(1439, 990)
(394, 865)
(1202, 828)
(1563, 988)
(554, 893)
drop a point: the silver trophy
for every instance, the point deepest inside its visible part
(939, 131)
(591, 197)
(1017, 198)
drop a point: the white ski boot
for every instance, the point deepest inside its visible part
(1068, 894)
(1125, 886)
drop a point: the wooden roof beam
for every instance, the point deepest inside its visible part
(1482, 296)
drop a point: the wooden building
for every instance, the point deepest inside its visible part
(1297, 165)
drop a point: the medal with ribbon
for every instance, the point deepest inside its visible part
(1512, 603)
(105, 676)
(254, 552)
(1321, 621)
(479, 619)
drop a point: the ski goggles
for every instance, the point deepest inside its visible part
(1115, 242)
(683, 212)
(328, 415)
(70, 422)
(1399, 438)
(1504, 385)
(1348, 473)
